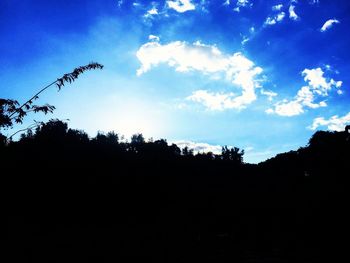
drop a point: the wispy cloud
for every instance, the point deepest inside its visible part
(269, 94)
(244, 40)
(227, 2)
(181, 6)
(152, 12)
(270, 21)
(120, 3)
(280, 16)
(329, 24)
(214, 101)
(208, 60)
(277, 7)
(292, 14)
(275, 19)
(242, 3)
(318, 86)
(335, 123)
(153, 38)
(304, 98)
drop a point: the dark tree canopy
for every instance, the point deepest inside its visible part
(108, 200)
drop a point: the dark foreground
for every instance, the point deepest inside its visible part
(106, 217)
(56, 208)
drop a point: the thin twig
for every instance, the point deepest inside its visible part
(32, 126)
(32, 98)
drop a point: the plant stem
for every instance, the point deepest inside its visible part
(32, 126)
(32, 98)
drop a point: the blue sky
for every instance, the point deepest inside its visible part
(262, 75)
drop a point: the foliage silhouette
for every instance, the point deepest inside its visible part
(104, 199)
(12, 112)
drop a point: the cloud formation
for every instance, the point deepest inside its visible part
(151, 12)
(335, 123)
(292, 14)
(208, 60)
(199, 147)
(240, 4)
(275, 19)
(318, 86)
(181, 6)
(153, 38)
(277, 7)
(328, 24)
(227, 3)
(269, 94)
(214, 101)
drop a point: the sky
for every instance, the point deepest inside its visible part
(261, 75)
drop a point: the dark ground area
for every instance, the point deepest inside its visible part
(83, 202)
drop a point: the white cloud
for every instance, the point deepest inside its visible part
(208, 60)
(242, 3)
(273, 20)
(181, 6)
(318, 86)
(199, 147)
(245, 40)
(153, 11)
(292, 14)
(286, 108)
(183, 56)
(153, 38)
(270, 94)
(335, 123)
(328, 24)
(270, 21)
(227, 3)
(119, 3)
(338, 84)
(280, 16)
(277, 7)
(214, 101)
(317, 81)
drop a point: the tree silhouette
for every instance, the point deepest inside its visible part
(137, 142)
(234, 154)
(347, 128)
(11, 111)
(187, 152)
(111, 199)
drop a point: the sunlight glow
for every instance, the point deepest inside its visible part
(137, 117)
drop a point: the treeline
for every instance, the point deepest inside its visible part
(326, 155)
(326, 151)
(55, 140)
(68, 197)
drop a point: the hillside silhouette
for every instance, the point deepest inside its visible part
(70, 198)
